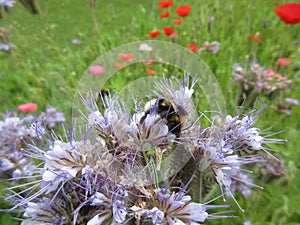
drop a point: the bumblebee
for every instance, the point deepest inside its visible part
(103, 93)
(101, 96)
(174, 115)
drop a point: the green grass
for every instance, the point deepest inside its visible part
(45, 67)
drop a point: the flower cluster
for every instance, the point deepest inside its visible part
(228, 147)
(286, 105)
(6, 5)
(16, 133)
(51, 118)
(30, 5)
(13, 135)
(258, 80)
(136, 166)
(181, 11)
(5, 45)
(213, 47)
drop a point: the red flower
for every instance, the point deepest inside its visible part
(271, 73)
(289, 13)
(284, 62)
(193, 47)
(169, 31)
(126, 57)
(97, 70)
(165, 15)
(119, 65)
(149, 62)
(183, 10)
(177, 22)
(29, 107)
(165, 4)
(150, 72)
(154, 34)
(256, 39)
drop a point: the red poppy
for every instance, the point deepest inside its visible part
(289, 13)
(284, 62)
(193, 47)
(165, 4)
(256, 39)
(28, 107)
(149, 62)
(97, 70)
(183, 10)
(150, 72)
(177, 22)
(126, 57)
(165, 15)
(271, 73)
(169, 31)
(154, 34)
(119, 65)
(276, 3)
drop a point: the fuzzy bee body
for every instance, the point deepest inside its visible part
(167, 111)
(103, 93)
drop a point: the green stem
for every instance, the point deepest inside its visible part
(210, 193)
(199, 186)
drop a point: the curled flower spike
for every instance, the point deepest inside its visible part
(212, 47)
(258, 80)
(14, 136)
(176, 208)
(226, 150)
(287, 105)
(51, 118)
(43, 212)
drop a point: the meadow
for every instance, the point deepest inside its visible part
(53, 49)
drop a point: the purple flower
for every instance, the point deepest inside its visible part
(6, 47)
(7, 3)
